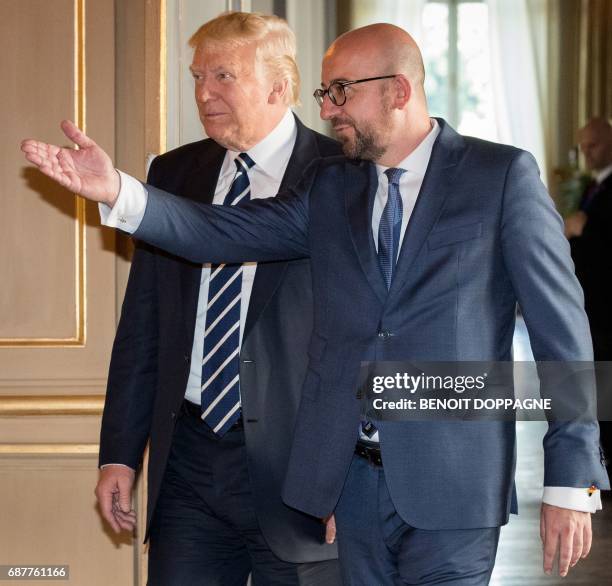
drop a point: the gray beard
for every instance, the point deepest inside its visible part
(364, 146)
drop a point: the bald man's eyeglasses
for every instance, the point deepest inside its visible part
(336, 92)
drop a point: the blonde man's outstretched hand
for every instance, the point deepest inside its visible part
(87, 170)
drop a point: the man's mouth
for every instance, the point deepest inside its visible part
(341, 127)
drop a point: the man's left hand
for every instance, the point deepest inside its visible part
(567, 532)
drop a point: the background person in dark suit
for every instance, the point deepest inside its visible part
(421, 247)
(590, 234)
(214, 506)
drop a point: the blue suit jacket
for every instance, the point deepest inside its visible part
(152, 351)
(483, 236)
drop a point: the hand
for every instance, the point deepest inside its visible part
(114, 493)
(330, 529)
(565, 531)
(88, 171)
(574, 224)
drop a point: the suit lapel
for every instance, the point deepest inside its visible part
(269, 275)
(437, 185)
(361, 183)
(201, 187)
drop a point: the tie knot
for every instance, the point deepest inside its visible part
(394, 174)
(244, 162)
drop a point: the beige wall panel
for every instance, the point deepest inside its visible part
(39, 37)
(41, 348)
(49, 517)
(45, 429)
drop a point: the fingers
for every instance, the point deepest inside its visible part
(567, 532)
(104, 495)
(587, 537)
(330, 530)
(576, 551)
(39, 153)
(125, 494)
(73, 132)
(125, 519)
(114, 493)
(551, 543)
(566, 543)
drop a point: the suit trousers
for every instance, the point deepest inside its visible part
(204, 530)
(376, 546)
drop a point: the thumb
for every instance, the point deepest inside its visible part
(73, 132)
(125, 495)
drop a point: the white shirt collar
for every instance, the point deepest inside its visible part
(416, 162)
(272, 153)
(602, 175)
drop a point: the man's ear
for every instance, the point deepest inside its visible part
(279, 91)
(403, 91)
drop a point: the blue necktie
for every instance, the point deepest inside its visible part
(220, 399)
(390, 226)
(389, 231)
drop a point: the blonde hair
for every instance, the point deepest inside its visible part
(275, 43)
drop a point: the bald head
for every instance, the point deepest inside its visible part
(380, 111)
(386, 46)
(595, 140)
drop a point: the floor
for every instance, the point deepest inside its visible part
(519, 557)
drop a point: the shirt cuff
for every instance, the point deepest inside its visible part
(577, 499)
(116, 464)
(129, 209)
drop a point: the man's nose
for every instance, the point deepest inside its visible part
(328, 108)
(202, 91)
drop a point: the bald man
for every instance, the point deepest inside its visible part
(590, 233)
(422, 242)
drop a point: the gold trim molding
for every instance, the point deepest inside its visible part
(49, 449)
(51, 405)
(80, 220)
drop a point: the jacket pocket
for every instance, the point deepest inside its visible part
(454, 235)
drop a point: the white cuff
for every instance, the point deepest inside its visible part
(129, 209)
(117, 464)
(577, 499)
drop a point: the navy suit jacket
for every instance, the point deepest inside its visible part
(152, 350)
(483, 236)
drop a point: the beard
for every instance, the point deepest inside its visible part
(364, 144)
(369, 138)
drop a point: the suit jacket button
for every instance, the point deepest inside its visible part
(384, 334)
(173, 415)
(187, 358)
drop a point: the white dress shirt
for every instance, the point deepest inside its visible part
(272, 157)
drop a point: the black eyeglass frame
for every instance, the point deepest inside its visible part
(319, 93)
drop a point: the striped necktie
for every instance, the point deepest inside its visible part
(220, 400)
(390, 226)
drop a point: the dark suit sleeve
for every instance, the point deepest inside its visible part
(132, 378)
(260, 230)
(537, 256)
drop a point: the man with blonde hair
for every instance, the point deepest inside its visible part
(240, 332)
